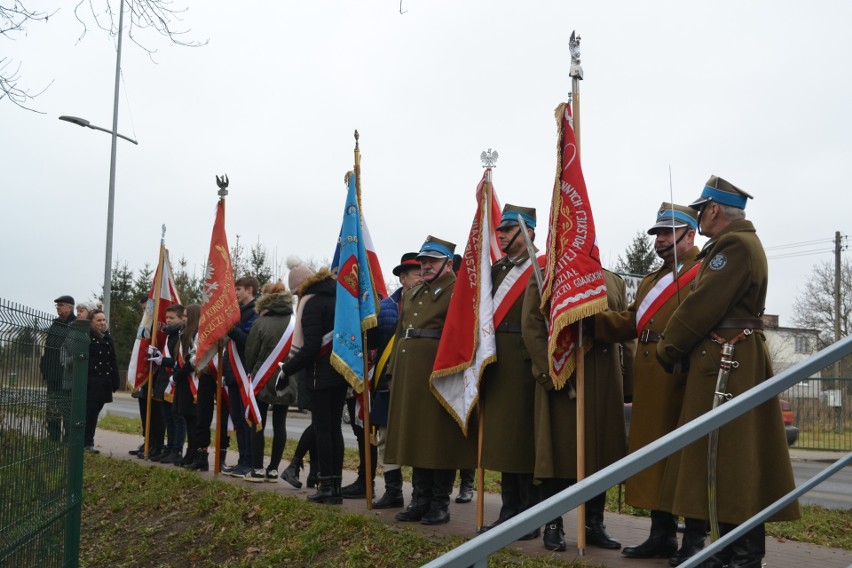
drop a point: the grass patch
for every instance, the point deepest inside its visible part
(138, 516)
(818, 525)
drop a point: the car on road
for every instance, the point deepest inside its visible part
(789, 428)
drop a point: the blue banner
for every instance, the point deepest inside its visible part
(356, 307)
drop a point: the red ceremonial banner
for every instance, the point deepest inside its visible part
(219, 308)
(574, 285)
(137, 372)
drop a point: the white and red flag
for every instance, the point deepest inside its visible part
(219, 308)
(574, 285)
(467, 342)
(164, 286)
(494, 210)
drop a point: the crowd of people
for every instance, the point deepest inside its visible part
(662, 351)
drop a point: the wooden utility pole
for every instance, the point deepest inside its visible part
(838, 386)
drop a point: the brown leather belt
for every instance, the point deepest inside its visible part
(648, 336)
(413, 332)
(507, 327)
(740, 323)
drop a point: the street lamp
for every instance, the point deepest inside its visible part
(114, 135)
(111, 204)
(83, 122)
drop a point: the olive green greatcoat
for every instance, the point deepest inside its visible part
(556, 413)
(657, 395)
(507, 394)
(753, 468)
(421, 433)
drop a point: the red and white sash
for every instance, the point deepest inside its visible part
(279, 353)
(513, 286)
(193, 378)
(244, 381)
(662, 292)
(169, 395)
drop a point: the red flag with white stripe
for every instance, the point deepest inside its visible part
(137, 371)
(467, 342)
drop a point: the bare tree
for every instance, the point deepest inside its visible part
(814, 307)
(159, 16)
(14, 20)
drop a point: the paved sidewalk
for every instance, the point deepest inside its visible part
(624, 528)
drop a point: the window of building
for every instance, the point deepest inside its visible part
(803, 344)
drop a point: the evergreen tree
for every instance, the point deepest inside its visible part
(188, 286)
(640, 257)
(258, 265)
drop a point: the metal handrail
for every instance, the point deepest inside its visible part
(475, 552)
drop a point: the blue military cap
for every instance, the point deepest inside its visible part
(509, 218)
(721, 191)
(436, 248)
(673, 216)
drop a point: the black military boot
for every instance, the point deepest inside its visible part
(693, 541)
(392, 499)
(748, 551)
(662, 543)
(466, 484)
(442, 488)
(421, 499)
(554, 536)
(328, 491)
(596, 534)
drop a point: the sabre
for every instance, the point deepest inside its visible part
(719, 397)
(539, 280)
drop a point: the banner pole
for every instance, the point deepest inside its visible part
(365, 393)
(218, 410)
(158, 275)
(576, 74)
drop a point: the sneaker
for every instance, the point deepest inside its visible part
(271, 476)
(226, 469)
(91, 450)
(240, 471)
(137, 450)
(255, 476)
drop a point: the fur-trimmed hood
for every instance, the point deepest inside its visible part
(317, 282)
(280, 303)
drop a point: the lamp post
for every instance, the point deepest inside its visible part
(115, 136)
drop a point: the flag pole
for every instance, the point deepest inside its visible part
(365, 394)
(576, 74)
(480, 472)
(217, 453)
(218, 410)
(158, 284)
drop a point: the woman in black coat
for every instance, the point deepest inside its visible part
(103, 375)
(183, 376)
(327, 386)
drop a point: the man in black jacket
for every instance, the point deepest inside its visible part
(51, 368)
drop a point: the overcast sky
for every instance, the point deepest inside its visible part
(755, 92)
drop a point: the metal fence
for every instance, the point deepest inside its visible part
(821, 413)
(43, 373)
(475, 552)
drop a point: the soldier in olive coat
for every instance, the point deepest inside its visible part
(507, 394)
(556, 414)
(420, 432)
(727, 300)
(657, 395)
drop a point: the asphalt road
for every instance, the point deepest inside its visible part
(836, 492)
(128, 407)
